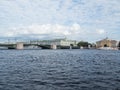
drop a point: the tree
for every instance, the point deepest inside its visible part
(83, 44)
(119, 44)
(71, 45)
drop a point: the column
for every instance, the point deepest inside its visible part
(19, 45)
(53, 46)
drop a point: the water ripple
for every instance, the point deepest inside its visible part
(59, 70)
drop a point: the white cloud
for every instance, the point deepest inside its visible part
(53, 31)
(100, 31)
(44, 29)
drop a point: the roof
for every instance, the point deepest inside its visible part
(106, 39)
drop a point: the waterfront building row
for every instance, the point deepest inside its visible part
(61, 42)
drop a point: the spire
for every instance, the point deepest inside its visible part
(106, 38)
(106, 35)
(65, 37)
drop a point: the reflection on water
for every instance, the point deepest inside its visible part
(59, 70)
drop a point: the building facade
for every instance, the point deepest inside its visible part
(61, 42)
(107, 43)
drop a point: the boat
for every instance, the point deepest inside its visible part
(3, 48)
(32, 47)
(107, 48)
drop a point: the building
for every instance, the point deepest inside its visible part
(61, 42)
(107, 43)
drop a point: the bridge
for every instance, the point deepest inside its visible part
(22, 45)
(39, 44)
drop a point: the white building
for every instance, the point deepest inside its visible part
(61, 42)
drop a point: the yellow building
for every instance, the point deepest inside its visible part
(106, 43)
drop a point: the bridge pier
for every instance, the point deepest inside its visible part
(19, 45)
(70, 47)
(54, 46)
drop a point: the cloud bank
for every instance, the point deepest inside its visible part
(51, 31)
(77, 19)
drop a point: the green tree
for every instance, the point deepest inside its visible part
(83, 44)
(119, 44)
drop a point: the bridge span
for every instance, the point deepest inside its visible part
(22, 45)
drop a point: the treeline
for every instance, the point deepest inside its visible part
(85, 44)
(119, 45)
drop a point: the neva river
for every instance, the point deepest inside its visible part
(59, 70)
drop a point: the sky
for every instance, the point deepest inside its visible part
(87, 20)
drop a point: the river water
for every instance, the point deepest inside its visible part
(59, 70)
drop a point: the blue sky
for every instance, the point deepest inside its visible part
(88, 20)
